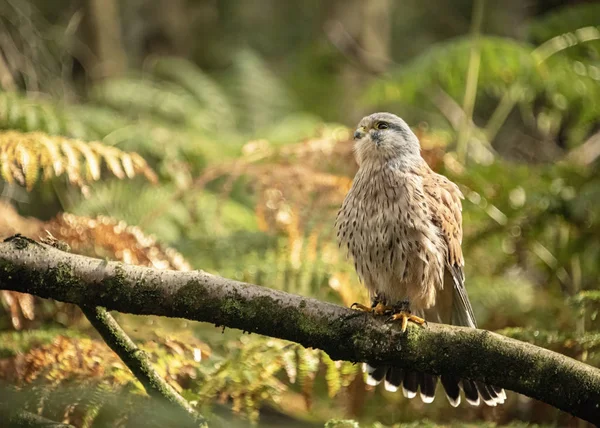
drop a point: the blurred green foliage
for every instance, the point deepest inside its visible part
(239, 124)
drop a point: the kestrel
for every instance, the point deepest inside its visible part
(402, 224)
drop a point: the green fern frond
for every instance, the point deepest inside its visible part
(13, 343)
(114, 197)
(162, 101)
(258, 94)
(588, 297)
(23, 155)
(564, 342)
(28, 114)
(581, 21)
(559, 85)
(206, 91)
(308, 366)
(504, 64)
(332, 375)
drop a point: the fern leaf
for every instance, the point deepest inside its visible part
(128, 165)
(504, 63)
(332, 375)
(105, 236)
(586, 297)
(308, 365)
(53, 163)
(140, 165)
(161, 100)
(289, 363)
(111, 157)
(22, 155)
(190, 77)
(564, 20)
(5, 166)
(72, 164)
(92, 159)
(28, 161)
(252, 80)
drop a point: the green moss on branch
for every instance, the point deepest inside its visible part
(344, 334)
(137, 361)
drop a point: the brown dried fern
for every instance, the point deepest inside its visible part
(67, 361)
(23, 155)
(94, 237)
(108, 237)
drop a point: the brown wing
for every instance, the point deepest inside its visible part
(444, 200)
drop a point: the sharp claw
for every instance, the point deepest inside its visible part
(405, 317)
(360, 307)
(404, 324)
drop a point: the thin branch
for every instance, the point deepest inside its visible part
(137, 361)
(563, 382)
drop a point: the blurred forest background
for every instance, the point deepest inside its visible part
(215, 135)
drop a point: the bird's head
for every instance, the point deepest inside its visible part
(384, 137)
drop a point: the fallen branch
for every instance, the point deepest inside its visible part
(137, 361)
(45, 271)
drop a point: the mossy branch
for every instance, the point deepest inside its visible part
(137, 361)
(45, 271)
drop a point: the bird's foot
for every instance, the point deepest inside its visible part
(404, 317)
(377, 309)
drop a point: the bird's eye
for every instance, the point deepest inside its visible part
(381, 125)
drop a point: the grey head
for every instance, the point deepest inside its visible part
(385, 138)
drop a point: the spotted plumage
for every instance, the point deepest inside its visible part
(401, 223)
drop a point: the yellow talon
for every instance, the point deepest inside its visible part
(405, 317)
(360, 307)
(379, 309)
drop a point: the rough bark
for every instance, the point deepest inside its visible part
(567, 384)
(137, 361)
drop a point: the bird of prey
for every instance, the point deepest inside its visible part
(402, 224)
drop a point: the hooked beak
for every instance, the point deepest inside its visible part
(359, 133)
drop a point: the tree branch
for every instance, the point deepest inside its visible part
(137, 361)
(567, 384)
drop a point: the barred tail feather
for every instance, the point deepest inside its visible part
(427, 384)
(470, 390)
(457, 311)
(393, 379)
(413, 382)
(452, 388)
(410, 385)
(375, 374)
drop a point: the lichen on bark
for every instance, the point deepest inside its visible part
(344, 334)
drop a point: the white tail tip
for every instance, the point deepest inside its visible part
(389, 387)
(503, 395)
(427, 399)
(372, 381)
(473, 402)
(367, 368)
(453, 403)
(407, 393)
